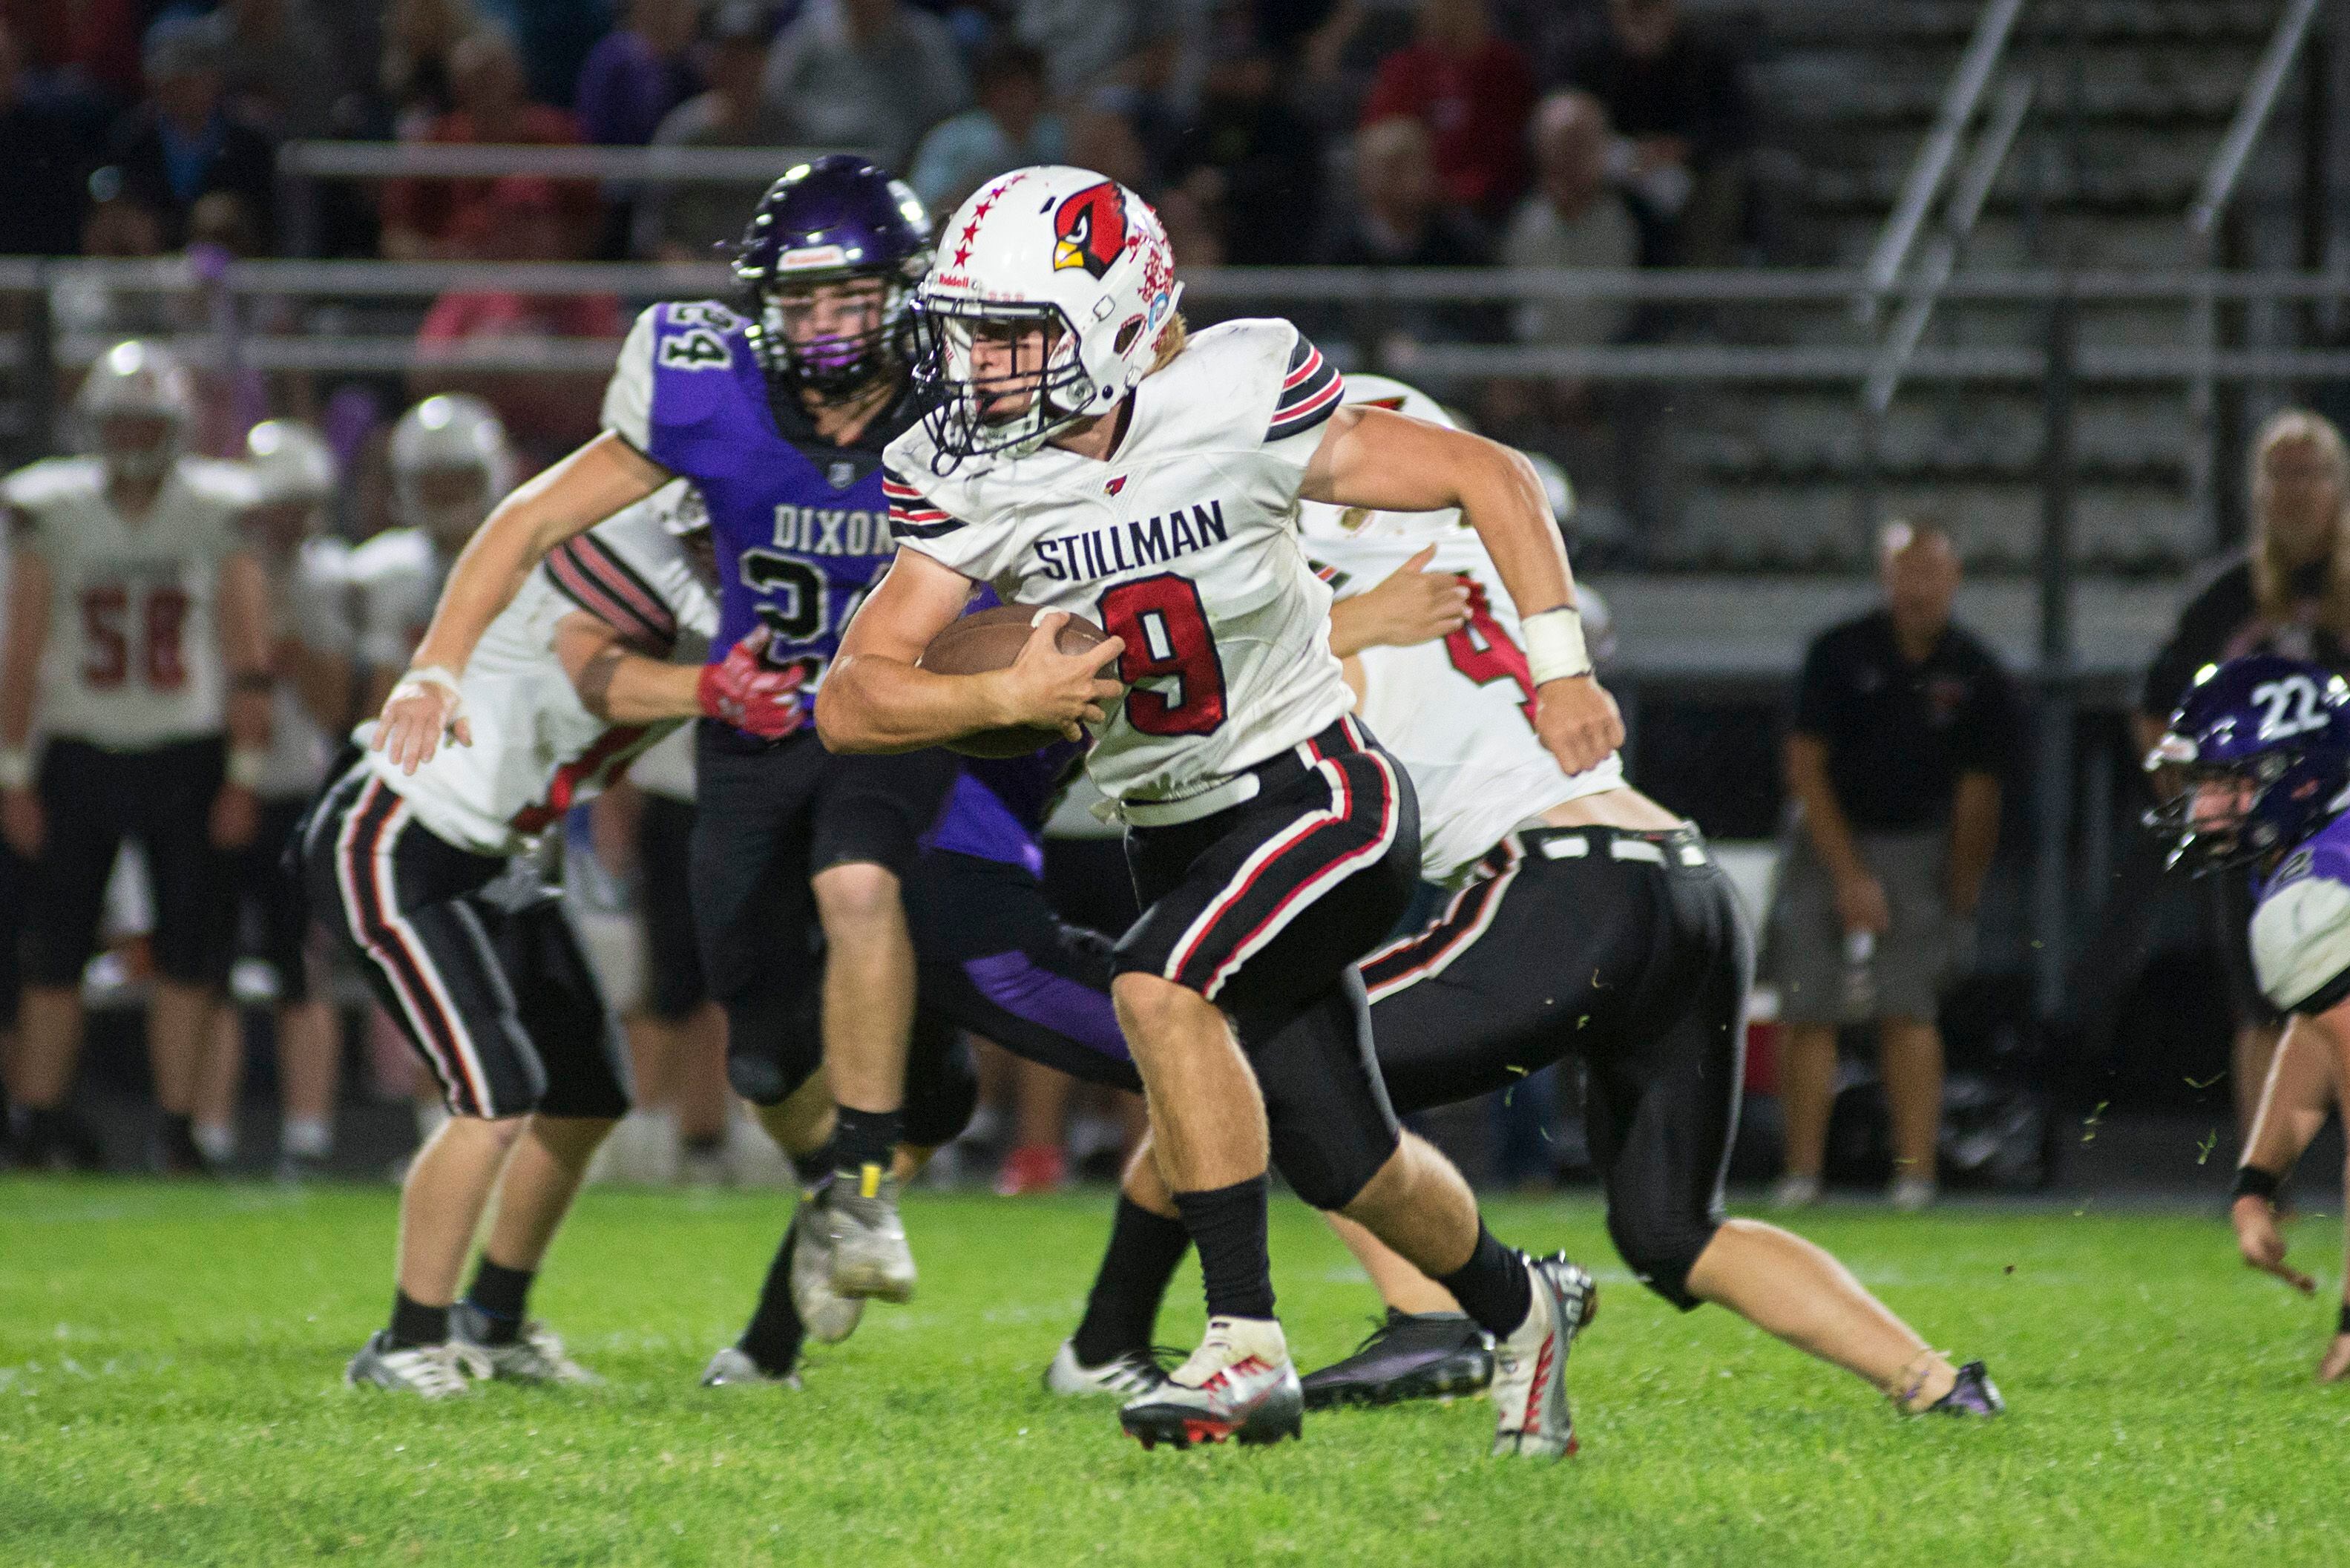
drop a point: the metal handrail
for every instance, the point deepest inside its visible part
(1924, 182)
(451, 160)
(2251, 116)
(643, 280)
(1942, 256)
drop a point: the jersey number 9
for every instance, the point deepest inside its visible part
(1166, 633)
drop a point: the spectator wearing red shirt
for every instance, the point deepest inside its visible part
(1473, 91)
(522, 219)
(426, 218)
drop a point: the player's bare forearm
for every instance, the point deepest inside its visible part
(1974, 835)
(871, 703)
(244, 648)
(568, 499)
(1383, 460)
(619, 685)
(28, 634)
(1807, 780)
(2299, 1091)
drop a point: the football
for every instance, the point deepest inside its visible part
(991, 639)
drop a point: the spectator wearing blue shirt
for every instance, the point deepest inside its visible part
(1011, 129)
(637, 74)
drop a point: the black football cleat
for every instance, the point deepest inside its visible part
(1412, 1355)
(1974, 1394)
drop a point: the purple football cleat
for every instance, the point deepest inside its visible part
(1974, 1394)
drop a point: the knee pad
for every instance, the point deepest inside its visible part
(1329, 1173)
(770, 1050)
(1660, 1248)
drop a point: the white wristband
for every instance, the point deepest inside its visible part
(15, 767)
(429, 675)
(1554, 650)
(246, 764)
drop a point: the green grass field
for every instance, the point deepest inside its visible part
(170, 1392)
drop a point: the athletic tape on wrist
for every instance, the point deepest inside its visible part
(430, 675)
(2251, 1182)
(15, 767)
(1554, 650)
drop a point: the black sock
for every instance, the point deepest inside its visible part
(860, 1138)
(179, 1130)
(1228, 1225)
(502, 1296)
(773, 1340)
(1144, 1248)
(1493, 1286)
(414, 1324)
(813, 1167)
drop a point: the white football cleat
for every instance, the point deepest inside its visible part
(856, 1215)
(535, 1356)
(1531, 1414)
(428, 1371)
(733, 1368)
(1239, 1384)
(1126, 1377)
(827, 1315)
(1795, 1191)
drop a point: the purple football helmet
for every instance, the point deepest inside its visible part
(2258, 752)
(828, 221)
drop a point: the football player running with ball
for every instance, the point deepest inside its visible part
(1080, 455)
(1587, 920)
(2262, 749)
(428, 874)
(138, 639)
(778, 416)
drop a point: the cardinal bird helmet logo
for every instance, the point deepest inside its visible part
(1091, 229)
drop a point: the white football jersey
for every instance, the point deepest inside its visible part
(1457, 713)
(536, 750)
(310, 613)
(133, 659)
(395, 584)
(665, 768)
(1184, 543)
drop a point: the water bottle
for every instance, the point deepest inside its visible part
(1859, 975)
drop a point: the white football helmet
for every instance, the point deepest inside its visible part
(1051, 249)
(291, 463)
(143, 381)
(449, 464)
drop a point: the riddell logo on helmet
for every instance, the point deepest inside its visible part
(1091, 227)
(813, 256)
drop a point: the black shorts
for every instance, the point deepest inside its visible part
(1263, 909)
(1627, 947)
(673, 983)
(993, 959)
(471, 953)
(91, 800)
(273, 913)
(767, 818)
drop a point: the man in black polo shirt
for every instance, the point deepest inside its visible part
(1903, 725)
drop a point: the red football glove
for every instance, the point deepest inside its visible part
(746, 691)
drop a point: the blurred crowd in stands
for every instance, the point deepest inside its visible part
(1385, 133)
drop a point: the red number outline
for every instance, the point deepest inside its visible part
(1495, 658)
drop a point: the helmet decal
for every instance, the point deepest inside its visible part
(1091, 229)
